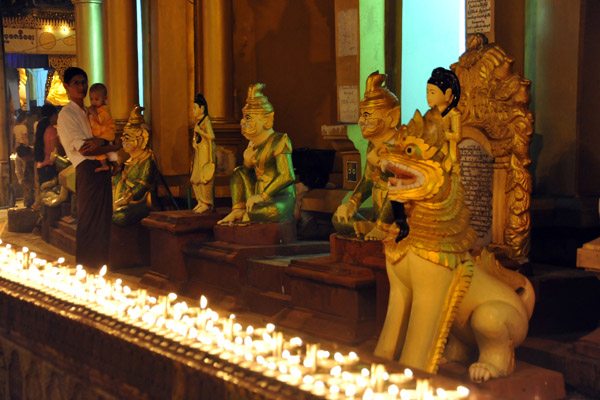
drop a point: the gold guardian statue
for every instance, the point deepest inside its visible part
(133, 187)
(379, 118)
(262, 189)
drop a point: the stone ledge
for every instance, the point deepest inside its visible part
(526, 382)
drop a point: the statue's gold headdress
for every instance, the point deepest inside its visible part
(256, 100)
(136, 127)
(376, 95)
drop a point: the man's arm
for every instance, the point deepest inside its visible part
(97, 146)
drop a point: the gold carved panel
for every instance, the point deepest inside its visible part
(495, 112)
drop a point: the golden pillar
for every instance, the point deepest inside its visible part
(171, 83)
(217, 63)
(121, 59)
(88, 26)
(4, 142)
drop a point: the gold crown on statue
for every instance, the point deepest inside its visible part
(256, 100)
(376, 95)
(136, 127)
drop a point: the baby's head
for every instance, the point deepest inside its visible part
(98, 94)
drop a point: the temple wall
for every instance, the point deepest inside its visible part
(290, 46)
(588, 139)
(562, 60)
(509, 23)
(552, 65)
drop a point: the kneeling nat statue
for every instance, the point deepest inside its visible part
(262, 190)
(443, 298)
(133, 188)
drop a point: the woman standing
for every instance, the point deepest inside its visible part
(46, 140)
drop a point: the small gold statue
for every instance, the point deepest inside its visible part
(442, 297)
(132, 188)
(203, 167)
(379, 117)
(262, 190)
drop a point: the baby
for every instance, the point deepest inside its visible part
(103, 126)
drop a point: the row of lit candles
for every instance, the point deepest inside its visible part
(264, 350)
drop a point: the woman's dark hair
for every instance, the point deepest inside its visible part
(72, 72)
(201, 101)
(446, 79)
(48, 110)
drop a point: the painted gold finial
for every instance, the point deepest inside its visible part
(376, 95)
(256, 100)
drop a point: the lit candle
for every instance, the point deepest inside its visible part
(141, 297)
(25, 257)
(278, 348)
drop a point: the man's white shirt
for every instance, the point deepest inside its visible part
(73, 130)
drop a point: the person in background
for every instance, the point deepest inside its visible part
(46, 140)
(103, 126)
(93, 189)
(23, 162)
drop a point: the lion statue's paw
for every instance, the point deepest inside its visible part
(483, 372)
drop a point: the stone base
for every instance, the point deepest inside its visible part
(227, 274)
(347, 292)
(63, 235)
(578, 361)
(129, 246)
(169, 231)
(257, 234)
(332, 300)
(50, 217)
(525, 383)
(22, 220)
(369, 254)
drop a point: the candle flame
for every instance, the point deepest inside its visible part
(463, 391)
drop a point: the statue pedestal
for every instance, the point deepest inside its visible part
(526, 382)
(129, 246)
(169, 231)
(235, 275)
(342, 297)
(50, 217)
(22, 220)
(257, 234)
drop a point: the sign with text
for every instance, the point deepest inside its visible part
(39, 41)
(479, 16)
(348, 104)
(478, 179)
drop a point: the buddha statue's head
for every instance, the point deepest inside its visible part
(443, 90)
(379, 109)
(258, 115)
(135, 133)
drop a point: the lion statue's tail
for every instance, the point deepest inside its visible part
(519, 283)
